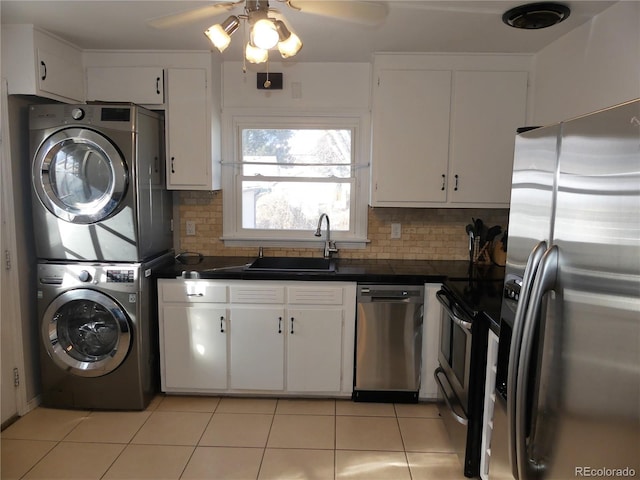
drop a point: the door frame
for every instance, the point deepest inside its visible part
(10, 310)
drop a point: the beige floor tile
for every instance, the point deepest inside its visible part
(364, 409)
(297, 464)
(18, 456)
(302, 431)
(108, 427)
(81, 461)
(306, 407)
(424, 435)
(367, 465)
(368, 433)
(247, 405)
(421, 410)
(172, 428)
(435, 466)
(237, 430)
(45, 424)
(222, 463)
(156, 462)
(189, 404)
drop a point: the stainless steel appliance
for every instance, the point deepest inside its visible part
(568, 375)
(98, 184)
(388, 342)
(99, 339)
(468, 307)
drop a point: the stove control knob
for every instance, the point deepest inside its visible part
(84, 276)
(77, 114)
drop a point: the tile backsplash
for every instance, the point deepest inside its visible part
(426, 233)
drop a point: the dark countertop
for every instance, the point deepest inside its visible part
(347, 270)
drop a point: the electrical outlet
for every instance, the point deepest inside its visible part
(396, 230)
(191, 227)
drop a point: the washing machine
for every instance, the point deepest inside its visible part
(98, 334)
(98, 182)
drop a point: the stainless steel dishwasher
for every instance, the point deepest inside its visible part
(388, 343)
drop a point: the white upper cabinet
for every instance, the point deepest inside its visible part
(189, 162)
(37, 63)
(444, 127)
(410, 136)
(141, 85)
(487, 108)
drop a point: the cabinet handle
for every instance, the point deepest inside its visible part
(195, 294)
(221, 324)
(455, 188)
(291, 325)
(44, 75)
(172, 169)
(443, 182)
(158, 85)
(279, 324)
(156, 164)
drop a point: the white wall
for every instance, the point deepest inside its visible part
(594, 66)
(309, 85)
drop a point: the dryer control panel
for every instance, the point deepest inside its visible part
(121, 276)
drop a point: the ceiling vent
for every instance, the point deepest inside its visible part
(536, 15)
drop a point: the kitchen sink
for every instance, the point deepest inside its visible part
(292, 264)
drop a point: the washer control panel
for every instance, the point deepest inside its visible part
(120, 276)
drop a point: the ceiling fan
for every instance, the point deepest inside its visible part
(360, 12)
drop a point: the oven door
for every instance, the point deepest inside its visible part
(454, 354)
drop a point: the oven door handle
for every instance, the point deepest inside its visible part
(442, 298)
(462, 419)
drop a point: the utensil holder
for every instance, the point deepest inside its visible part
(480, 254)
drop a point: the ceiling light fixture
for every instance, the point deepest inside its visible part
(266, 33)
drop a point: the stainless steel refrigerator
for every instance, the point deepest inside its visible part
(567, 399)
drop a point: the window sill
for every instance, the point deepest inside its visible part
(346, 244)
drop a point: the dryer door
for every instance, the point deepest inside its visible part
(79, 175)
(86, 332)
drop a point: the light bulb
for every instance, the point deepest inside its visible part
(220, 34)
(290, 43)
(264, 34)
(255, 54)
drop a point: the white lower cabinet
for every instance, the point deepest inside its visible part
(430, 342)
(194, 347)
(257, 348)
(257, 336)
(489, 403)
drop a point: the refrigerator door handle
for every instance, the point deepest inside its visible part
(544, 282)
(530, 272)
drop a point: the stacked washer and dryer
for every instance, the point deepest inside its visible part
(102, 223)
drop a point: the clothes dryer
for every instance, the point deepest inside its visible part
(98, 183)
(98, 334)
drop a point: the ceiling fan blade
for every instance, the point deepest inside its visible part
(366, 13)
(189, 16)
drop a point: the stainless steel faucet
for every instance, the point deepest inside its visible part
(329, 246)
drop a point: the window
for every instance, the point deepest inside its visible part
(287, 171)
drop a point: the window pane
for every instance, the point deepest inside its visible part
(294, 205)
(297, 152)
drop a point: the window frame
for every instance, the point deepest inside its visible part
(233, 124)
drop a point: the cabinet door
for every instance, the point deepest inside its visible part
(60, 76)
(188, 130)
(257, 348)
(142, 85)
(314, 349)
(194, 347)
(410, 137)
(487, 109)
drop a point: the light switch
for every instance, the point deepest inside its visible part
(396, 230)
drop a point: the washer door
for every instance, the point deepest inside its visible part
(79, 175)
(86, 332)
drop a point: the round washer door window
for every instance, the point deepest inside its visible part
(79, 175)
(86, 332)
